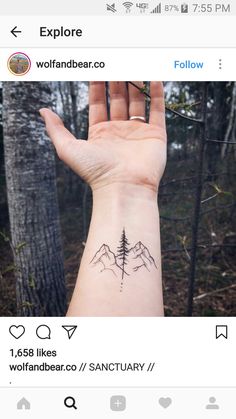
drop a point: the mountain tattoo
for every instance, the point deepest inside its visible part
(126, 261)
(105, 259)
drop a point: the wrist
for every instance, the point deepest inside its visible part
(126, 193)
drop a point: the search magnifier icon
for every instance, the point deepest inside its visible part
(70, 402)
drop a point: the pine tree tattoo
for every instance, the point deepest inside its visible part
(122, 256)
(127, 260)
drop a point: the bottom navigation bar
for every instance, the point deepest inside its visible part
(131, 402)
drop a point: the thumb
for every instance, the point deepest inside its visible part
(62, 139)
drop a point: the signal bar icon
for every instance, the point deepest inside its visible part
(157, 9)
(128, 5)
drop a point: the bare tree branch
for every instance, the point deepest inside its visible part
(189, 118)
(217, 208)
(221, 141)
(207, 294)
(199, 246)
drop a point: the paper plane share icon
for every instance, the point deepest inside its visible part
(70, 330)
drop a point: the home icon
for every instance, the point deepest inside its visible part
(23, 404)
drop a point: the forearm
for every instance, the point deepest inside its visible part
(120, 272)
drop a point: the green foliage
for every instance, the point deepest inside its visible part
(182, 106)
(9, 268)
(27, 304)
(4, 236)
(31, 282)
(220, 191)
(19, 247)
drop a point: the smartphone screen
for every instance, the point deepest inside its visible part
(117, 209)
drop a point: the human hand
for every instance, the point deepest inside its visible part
(119, 150)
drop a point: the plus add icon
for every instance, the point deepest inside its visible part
(118, 403)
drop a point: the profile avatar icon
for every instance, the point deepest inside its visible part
(212, 404)
(19, 64)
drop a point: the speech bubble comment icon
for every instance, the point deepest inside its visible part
(43, 332)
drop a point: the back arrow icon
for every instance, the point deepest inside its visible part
(14, 31)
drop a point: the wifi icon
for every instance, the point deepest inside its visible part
(128, 5)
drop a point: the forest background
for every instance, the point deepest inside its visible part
(50, 206)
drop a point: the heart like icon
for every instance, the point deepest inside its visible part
(17, 331)
(165, 402)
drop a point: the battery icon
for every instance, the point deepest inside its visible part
(184, 8)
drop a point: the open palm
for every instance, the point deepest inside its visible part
(119, 150)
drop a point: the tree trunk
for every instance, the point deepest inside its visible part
(197, 203)
(216, 129)
(32, 201)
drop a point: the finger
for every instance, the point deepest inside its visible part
(97, 102)
(62, 139)
(118, 101)
(157, 107)
(136, 100)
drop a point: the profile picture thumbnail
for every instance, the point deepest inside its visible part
(19, 64)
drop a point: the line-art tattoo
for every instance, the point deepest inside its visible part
(122, 256)
(106, 259)
(126, 261)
